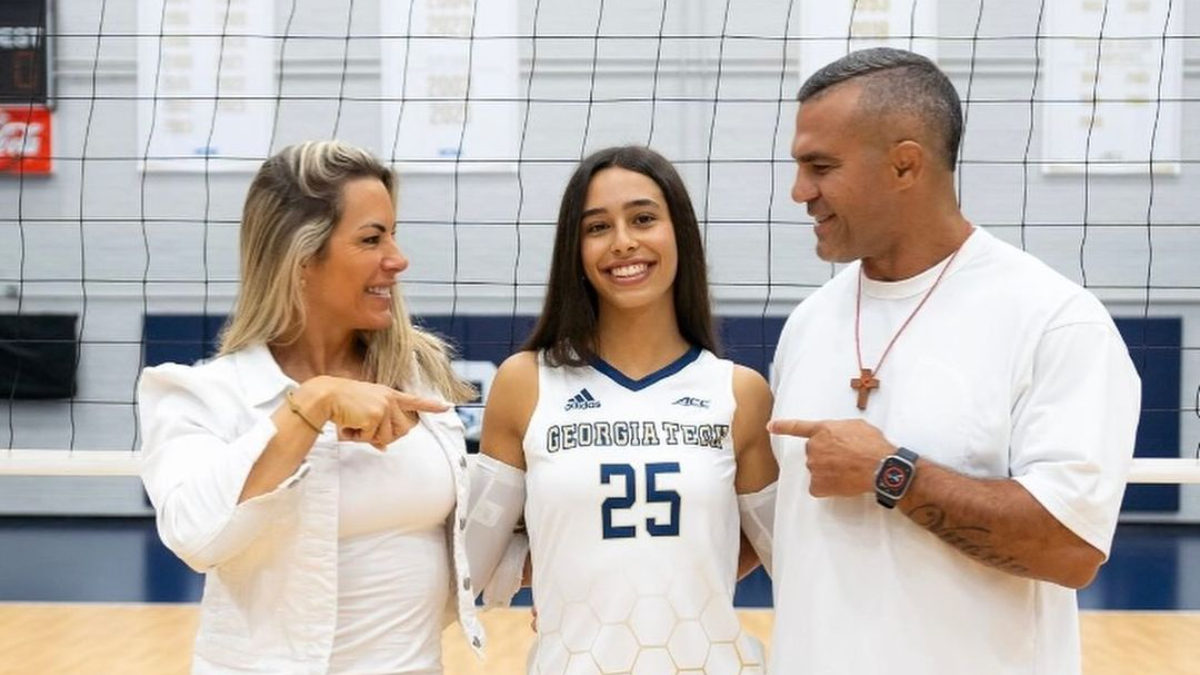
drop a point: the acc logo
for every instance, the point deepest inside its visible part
(691, 402)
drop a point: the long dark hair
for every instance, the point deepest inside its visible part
(567, 326)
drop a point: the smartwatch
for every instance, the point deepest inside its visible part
(894, 476)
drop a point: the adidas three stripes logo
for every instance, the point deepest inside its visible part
(582, 401)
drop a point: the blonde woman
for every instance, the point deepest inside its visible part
(310, 469)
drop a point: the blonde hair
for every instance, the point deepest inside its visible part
(291, 210)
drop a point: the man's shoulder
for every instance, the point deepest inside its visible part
(1032, 284)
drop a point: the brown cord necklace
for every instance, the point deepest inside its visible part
(866, 382)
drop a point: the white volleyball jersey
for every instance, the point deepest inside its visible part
(633, 521)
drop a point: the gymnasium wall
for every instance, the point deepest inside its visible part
(163, 243)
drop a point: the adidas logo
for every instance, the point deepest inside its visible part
(582, 401)
(690, 402)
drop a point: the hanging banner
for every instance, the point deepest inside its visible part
(830, 29)
(449, 84)
(24, 140)
(206, 86)
(1112, 103)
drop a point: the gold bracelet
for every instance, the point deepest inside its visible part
(296, 409)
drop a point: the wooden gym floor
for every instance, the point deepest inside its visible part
(144, 639)
(103, 597)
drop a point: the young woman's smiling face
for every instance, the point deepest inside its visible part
(628, 240)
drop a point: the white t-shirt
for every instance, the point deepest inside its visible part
(393, 557)
(1009, 370)
(633, 521)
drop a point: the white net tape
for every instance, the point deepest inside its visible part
(117, 463)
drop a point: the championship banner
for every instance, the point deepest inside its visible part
(1112, 109)
(449, 84)
(24, 140)
(206, 87)
(830, 29)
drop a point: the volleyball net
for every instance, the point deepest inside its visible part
(129, 132)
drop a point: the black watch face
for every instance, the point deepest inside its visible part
(893, 477)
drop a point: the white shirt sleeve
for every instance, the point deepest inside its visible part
(1074, 428)
(196, 463)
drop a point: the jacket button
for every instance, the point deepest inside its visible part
(462, 462)
(466, 583)
(475, 642)
(462, 523)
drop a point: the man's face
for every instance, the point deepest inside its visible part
(842, 176)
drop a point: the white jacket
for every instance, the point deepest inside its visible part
(270, 593)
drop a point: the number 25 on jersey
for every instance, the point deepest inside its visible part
(626, 473)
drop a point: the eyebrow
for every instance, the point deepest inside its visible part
(809, 157)
(377, 226)
(645, 201)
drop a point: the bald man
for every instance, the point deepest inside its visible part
(954, 420)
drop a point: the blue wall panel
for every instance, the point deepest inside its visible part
(1155, 345)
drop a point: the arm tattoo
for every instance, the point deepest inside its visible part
(972, 541)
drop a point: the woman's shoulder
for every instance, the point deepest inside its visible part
(223, 377)
(215, 370)
(740, 373)
(514, 390)
(522, 366)
(749, 386)
(517, 372)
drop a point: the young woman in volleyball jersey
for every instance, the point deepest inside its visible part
(637, 456)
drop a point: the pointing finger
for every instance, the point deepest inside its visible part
(418, 404)
(801, 428)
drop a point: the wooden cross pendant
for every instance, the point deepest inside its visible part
(864, 384)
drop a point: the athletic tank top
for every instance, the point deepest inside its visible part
(633, 521)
